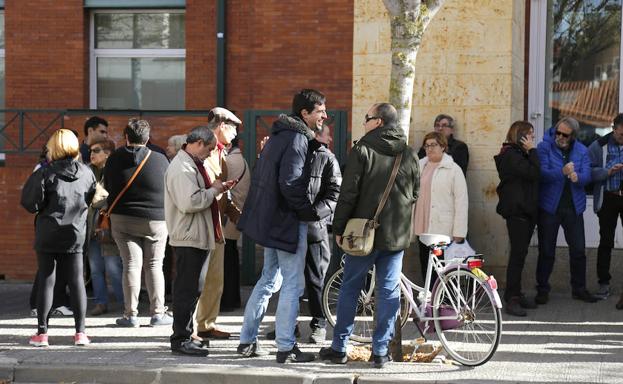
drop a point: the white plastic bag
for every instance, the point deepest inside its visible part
(458, 251)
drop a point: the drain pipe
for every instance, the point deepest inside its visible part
(220, 53)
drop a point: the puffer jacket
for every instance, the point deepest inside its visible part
(323, 191)
(277, 201)
(60, 194)
(367, 173)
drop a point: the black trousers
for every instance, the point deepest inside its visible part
(70, 266)
(186, 289)
(520, 231)
(316, 264)
(60, 296)
(611, 210)
(231, 278)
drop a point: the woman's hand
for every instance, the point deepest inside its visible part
(527, 142)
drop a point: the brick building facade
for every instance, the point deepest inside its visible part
(273, 48)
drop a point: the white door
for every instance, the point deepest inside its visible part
(574, 66)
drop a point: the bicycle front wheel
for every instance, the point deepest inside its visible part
(473, 337)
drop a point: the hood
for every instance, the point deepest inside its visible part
(68, 169)
(550, 135)
(386, 140)
(506, 147)
(292, 123)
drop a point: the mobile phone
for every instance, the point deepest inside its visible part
(521, 137)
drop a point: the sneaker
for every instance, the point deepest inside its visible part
(585, 296)
(62, 311)
(318, 335)
(160, 319)
(328, 353)
(271, 335)
(33, 312)
(603, 292)
(128, 322)
(513, 307)
(99, 309)
(526, 303)
(295, 355)
(541, 298)
(251, 350)
(81, 339)
(40, 340)
(380, 361)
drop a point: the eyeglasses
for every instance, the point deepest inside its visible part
(96, 150)
(565, 135)
(368, 118)
(431, 145)
(442, 126)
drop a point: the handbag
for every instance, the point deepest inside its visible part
(358, 237)
(103, 232)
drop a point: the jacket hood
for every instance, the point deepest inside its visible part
(506, 148)
(292, 123)
(386, 140)
(68, 169)
(550, 135)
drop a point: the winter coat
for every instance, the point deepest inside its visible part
(323, 191)
(187, 205)
(552, 179)
(518, 190)
(60, 194)
(457, 150)
(449, 202)
(277, 199)
(236, 165)
(597, 152)
(367, 173)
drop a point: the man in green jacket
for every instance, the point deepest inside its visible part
(366, 175)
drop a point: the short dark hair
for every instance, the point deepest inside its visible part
(235, 142)
(307, 99)
(202, 133)
(93, 122)
(137, 131)
(618, 120)
(387, 113)
(443, 116)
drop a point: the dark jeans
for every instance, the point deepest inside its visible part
(188, 263)
(316, 264)
(70, 266)
(520, 231)
(573, 227)
(609, 213)
(231, 278)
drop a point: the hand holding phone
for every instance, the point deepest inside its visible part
(527, 142)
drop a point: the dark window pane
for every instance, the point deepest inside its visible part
(139, 30)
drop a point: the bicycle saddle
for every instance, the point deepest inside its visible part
(430, 239)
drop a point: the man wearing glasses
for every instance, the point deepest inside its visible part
(456, 148)
(565, 170)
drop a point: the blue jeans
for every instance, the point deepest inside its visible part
(102, 266)
(388, 269)
(285, 271)
(573, 227)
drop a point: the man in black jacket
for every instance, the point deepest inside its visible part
(275, 215)
(456, 148)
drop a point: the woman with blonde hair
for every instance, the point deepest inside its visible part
(60, 194)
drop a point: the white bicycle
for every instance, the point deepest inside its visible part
(463, 307)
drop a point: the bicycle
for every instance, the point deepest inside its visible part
(463, 308)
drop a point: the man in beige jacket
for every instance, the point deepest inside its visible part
(190, 211)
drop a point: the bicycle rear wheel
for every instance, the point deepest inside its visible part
(474, 336)
(363, 327)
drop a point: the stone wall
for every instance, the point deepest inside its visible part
(470, 65)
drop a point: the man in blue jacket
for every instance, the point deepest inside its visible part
(565, 170)
(275, 215)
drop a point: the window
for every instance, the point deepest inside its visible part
(138, 59)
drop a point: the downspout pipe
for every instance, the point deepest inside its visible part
(220, 52)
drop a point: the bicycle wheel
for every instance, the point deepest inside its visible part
(363, 327)
(474, 336)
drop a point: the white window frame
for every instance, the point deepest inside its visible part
(123, 53)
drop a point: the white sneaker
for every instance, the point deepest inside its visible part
(603, 292)
(62, 311)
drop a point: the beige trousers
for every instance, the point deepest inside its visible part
(209, 303)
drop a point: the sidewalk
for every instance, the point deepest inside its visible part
(565, 341)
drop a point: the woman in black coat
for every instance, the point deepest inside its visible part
(518, 191)
(60, 195)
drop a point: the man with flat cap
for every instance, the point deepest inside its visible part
(224, 124)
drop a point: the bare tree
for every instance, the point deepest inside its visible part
(409, 20)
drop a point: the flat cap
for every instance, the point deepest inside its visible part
(223, 114)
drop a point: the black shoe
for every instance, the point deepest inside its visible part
(585, 296)
(526, 303)
(270, 335)
(513, 307)
(190, 348)
(380, 361)
(541, 298)
(251, 350)
(318, 336)
(328, 353)
(295, 355)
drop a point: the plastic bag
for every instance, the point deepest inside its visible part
(458, 251)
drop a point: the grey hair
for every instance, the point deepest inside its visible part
(571, 123)
(176, 141)
(202, 133)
